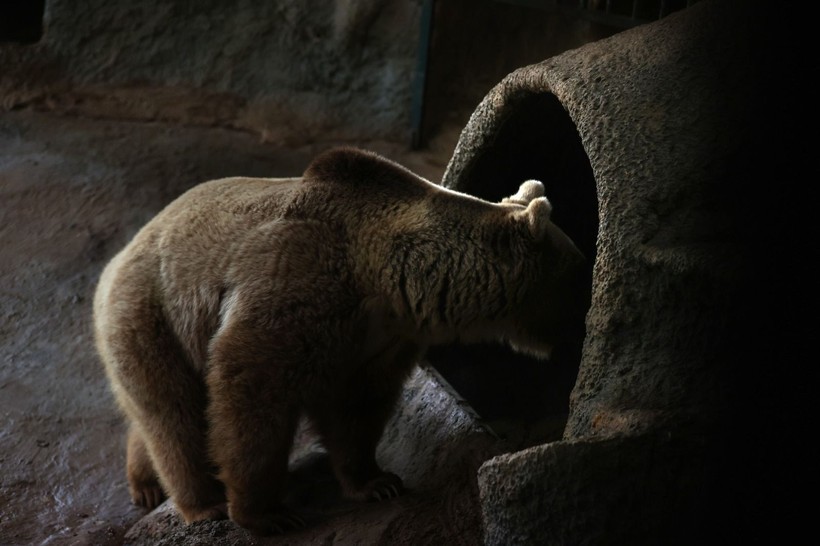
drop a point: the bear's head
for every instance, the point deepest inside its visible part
(552, 283)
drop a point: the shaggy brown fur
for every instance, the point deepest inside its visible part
(247, 303)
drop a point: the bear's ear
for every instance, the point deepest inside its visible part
(529, 190)
(537, 215)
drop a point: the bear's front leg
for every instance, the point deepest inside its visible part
(253, 415)
(351, 421)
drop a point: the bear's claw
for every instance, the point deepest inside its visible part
(387, 486)
(148, 496)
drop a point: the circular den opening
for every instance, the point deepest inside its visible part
(537, 139)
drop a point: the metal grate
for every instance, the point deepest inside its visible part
(620, 13)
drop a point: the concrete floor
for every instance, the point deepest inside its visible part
(72, 192)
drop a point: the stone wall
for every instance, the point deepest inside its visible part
(686, 421)
(292, 71)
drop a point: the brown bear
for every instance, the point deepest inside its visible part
(249, 302)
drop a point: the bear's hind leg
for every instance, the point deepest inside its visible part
(164, 399)
(143, 483)
(171, 421)
(253, 414)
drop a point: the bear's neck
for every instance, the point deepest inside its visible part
(444, 292)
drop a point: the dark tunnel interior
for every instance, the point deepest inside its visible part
(21, 22)
(537, 140)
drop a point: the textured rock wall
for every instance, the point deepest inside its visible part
(291, 69)
(682, 421)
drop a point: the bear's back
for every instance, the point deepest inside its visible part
(229, 200)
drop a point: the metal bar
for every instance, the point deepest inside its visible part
(420, 82)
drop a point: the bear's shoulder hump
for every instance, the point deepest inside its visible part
(351, 165)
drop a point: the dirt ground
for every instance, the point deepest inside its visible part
(72, 192)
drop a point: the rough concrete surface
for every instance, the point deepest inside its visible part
(695, 336)
(291, 68)
(72, 192)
